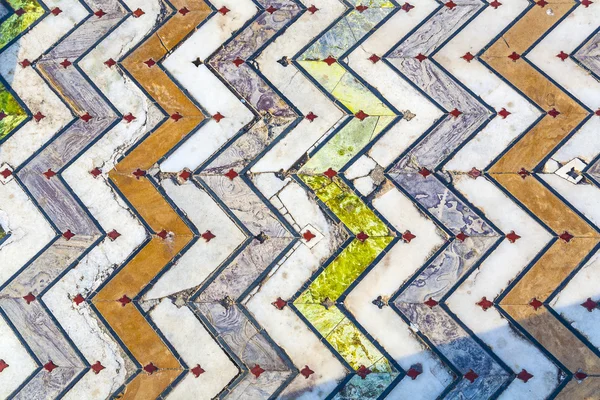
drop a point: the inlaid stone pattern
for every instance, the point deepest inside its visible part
(300, 199)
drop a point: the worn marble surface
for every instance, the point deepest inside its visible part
(299, 199)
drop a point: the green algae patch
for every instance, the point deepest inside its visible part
(14, 25)
(345, 269)
(353, 346)
(14, 113)
(346, 205)
(324, 320)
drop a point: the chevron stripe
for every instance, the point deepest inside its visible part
(321, 302)
(170, 234)
(557, 216)
(218, 303)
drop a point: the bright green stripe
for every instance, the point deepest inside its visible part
(15, 114)
(14, 25)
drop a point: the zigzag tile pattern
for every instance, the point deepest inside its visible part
(299, 199)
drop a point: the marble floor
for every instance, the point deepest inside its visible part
(300, 199)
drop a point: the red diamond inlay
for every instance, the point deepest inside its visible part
(138, 173)
(536, 304)
(25, 63)
(306, 372)
(562, 55)
(124, 300)
(113, 235)
(185, 174)
(100, 13)
(455, 113)
(421, 57)
(6, 173)
(471, 376)
(218, 117)
(450, 4)
(512, 237)
(312, 9)
(19, 12)
(330, 173)
(3, 115)
(554, 113)
(524, 173)
(542, 3)
(96, 172)
(580, 375)
(431, 303)
(407, 7)
(503, 113)
(589, 304)
(49, 174)
(176, 117)
(279, 303)
(163, 234)
(361, 115)
(424, 172)
(86, 117)
(257, 370)
(183, 11)
(311, 116)
(49, 366)
(462, 237)
(271, 9)
(308, 236)
(97, 367)
(150, 62)
(208, 236)
(485, 304)
(138, 13)
(362, 236)
(110, 63)
(495, 4)
(414, 372)
(224, 10)
(3, 365)
(330, 61)
(468, 57)
(55, 11)
(374, 58)
(231, 174)
(586, 3)
(474, 173)
(363, 371)
(524, 375)
(238, 61)
(361, 8)
(65, 63)
(150, 368)
(29, 298)
(129, 118)
(408, 237)
(514, 56)
(68, 235)
(566, 236)
(39, 116)
(197, 370)
(78, 299)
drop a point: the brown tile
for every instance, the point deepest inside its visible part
(137, 335)
(588, 389)
(556, 338)
(150, 204)
(550, 271)
(132, 278)
(146, 386)
(545, 205)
